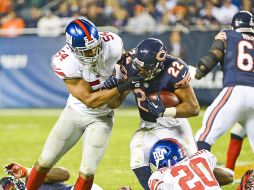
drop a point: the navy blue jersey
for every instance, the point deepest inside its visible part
(174, 75)
(238, 63)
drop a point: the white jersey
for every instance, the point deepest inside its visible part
(194, 172)
(67, 66)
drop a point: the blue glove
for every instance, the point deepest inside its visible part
(110, 82)
(156, 107)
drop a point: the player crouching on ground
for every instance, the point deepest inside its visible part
(53, 181)
(176, 171)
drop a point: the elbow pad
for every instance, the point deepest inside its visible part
(207, 63)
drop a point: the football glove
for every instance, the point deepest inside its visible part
(156, 107)
(15, 170)
(247, 181)
(110, 82)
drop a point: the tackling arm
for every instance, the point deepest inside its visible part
(210, 60)
(116, 102)
(80, 89)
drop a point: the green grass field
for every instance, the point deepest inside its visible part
(23, 132)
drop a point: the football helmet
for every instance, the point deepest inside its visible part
(10, 183)
(84, 39)
(243, 22)
(148, 58)
(166, 152)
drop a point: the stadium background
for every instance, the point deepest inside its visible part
(32, 32)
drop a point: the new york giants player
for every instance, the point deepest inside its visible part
(176, 171)
(160, 72)
(84, 63)
(234, 49)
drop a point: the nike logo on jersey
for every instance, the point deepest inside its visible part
(184, 74)
(156, 106)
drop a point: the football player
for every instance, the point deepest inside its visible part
(177, 171)
(53, 181)
(84, 63)
(235, 51)
(160, 71)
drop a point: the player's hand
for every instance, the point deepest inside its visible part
(156, 107)
(126, 57)
(125, 188)
(110, 82)
(199, 74)
(15, 170)
(132, 83)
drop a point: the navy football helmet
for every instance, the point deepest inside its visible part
(243, 22)
(166, 152)
(10, 183)
(84, 39)
(149, 57)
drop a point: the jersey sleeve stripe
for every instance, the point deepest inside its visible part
(215, 112)
(84, 29)
(94, 83)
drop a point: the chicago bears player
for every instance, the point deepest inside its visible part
(176, 171)
(160, 72)
(84, 63)
(53, 181)
(234, 49)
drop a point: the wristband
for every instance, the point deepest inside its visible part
(170, 112)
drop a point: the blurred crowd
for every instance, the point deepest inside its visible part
(134, 16)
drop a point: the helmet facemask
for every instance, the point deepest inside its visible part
(148, 73)
(89, 56)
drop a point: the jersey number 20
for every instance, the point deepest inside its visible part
(194, 168)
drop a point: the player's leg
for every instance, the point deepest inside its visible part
(141, 143)
(144, 139)
(62, 137)
(221, 115)
(238, 133)
(95, 141)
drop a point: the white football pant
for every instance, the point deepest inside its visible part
(149, 133)
(70, 126)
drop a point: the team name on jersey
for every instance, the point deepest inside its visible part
(247, 37)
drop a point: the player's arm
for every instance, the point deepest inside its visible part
(81, 90)
(57, 174)
(116, 102)
(223, 176)
(214, 55)
(189, 106)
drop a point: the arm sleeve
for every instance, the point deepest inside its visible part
(210, 60)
